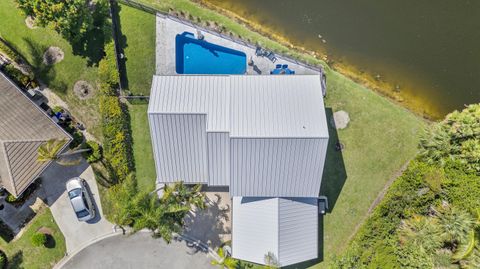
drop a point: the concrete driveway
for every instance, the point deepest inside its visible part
(138, 251)
(77, 234)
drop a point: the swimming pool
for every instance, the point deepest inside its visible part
(195, 56)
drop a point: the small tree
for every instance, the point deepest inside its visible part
(71, 19)
(271, 261)
(50, 151)
(225, 260)
(38, 239)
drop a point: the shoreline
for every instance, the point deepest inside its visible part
(375, 84)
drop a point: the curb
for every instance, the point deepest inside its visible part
(67, 257)
(197, 243)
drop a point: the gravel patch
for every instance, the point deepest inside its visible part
(53, 55)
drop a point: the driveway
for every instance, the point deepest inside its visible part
(77, 234)
(138, 251)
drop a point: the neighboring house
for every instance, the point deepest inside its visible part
(265, 137)
(24, 127)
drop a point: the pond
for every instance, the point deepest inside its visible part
(426, 52)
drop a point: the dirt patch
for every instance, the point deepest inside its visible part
(340, 119)
(83, 89)
(53, 55)
(45, 230)
(30, 22)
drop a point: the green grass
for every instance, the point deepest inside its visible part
(142, 147)
(31, 44)
(380, 139)
(138, 41)
(21, 253)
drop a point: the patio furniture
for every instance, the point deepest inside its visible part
(271, 57)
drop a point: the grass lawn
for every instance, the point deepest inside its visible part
(138, 41)
(21, 253)
(142, 147)
(31, 44)
(379, 140)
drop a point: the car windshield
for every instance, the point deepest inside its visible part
(81, 214)
(74, 193)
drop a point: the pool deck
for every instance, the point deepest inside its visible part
(168, 28)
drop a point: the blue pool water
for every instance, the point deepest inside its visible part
(195, 56)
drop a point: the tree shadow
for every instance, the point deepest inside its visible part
(15, 262)
(45, 73)
(121, 42)
(91, 44)
(334, 173)
(209, 225)
(50, 243)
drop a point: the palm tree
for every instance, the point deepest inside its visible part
(50, 151)
(455, 224)
(225, 260)
(185, 195)
(421, 231)
(163, 219)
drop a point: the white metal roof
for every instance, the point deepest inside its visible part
(288, 228)
(246, 106)
(220, 130)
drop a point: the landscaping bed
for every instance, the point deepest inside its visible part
(22, 254)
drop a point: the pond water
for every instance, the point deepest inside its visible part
(426, 52)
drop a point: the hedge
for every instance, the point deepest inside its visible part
(114, 119)
(9, 52)
(107, 67)
(18, 77)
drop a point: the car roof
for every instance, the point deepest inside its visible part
(78, 204)
(74, 183)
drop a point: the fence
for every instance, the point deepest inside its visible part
(164, 14)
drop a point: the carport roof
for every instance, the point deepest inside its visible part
(24, 127)
(285, 227)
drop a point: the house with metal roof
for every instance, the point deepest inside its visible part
(24, 127)
(264, 137)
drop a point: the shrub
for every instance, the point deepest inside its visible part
(10, 198)
(3, 260)
(115, 137)
(455, 138)
(17, 76)
(107, 67)
(78, 138)
(38, 239)
(95, 153)
(9, 52)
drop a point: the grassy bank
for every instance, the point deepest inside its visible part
(379, 140)
(142, 147)
(138, 43)
(21, 253)
(32, 43)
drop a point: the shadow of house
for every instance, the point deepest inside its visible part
(334, 174)
(209, 225)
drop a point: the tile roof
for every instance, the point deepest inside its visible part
(24, 127)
